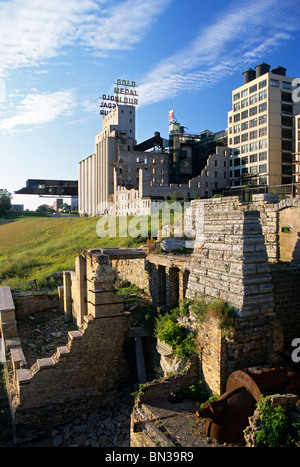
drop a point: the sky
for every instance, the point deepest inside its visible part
(58, 58)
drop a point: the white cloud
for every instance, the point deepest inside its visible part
(120, 27)
(242, 33)
(32, 31)
(36, 109)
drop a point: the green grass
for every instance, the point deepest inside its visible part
(32, 248)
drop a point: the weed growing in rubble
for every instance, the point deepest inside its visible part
(222, 310)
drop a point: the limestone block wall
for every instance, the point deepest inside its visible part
(29, 303)
(133, 270)
(289, 232)
(230, 262)
(80, 375)
(286, 280)
(74, 379)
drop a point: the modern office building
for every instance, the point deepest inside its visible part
(261, 128)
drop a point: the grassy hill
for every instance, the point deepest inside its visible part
(32, 248)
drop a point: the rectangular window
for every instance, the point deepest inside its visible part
(263, 156)
(286, 97)
(244, 137)
(287, 109)
(244, 126)
(287, 121)
(287, 157)
(262, 107)
(245, 160)
(262, 84)
(262, 119)
(253, 111)
(253, 158)
(253, 99)
(263, 131)
(237, 128)
(237, 118)
(253, 170)
(262, 95)
(236, 140)
(244, 103)
(286, 85)
(253, 134)
(262, 168)
(263, 144)
(253, 88)
(253, 146)
(236, 96)
(286, 133)
(244, 148)
(244, 114)
(253, 123)
(274, 82)
(236, 107)
(244, 93)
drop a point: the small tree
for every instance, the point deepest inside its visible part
(42, 209)
(5, 201)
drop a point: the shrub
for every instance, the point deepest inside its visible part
(276, 429)
(168, 330)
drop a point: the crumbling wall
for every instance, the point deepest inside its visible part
(80, 375)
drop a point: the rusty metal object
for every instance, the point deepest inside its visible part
(279, 379)
(228, 416)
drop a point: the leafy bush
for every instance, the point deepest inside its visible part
(276, 428)
(168, 330)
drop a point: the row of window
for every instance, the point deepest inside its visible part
(254, 146)
(261, 120)
(252, 158)
(249, 113)
(273, 82)
(252, 100)
(250, 90)
(254, 134)
(253, 170)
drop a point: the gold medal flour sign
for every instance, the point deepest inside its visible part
(125, 92)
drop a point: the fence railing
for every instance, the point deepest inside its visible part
(246, 192)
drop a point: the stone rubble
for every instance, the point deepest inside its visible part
(108, 427)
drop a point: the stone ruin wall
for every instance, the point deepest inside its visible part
(80, 375)
(230, 262)
(232, 259)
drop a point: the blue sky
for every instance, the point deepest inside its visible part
(58, 58)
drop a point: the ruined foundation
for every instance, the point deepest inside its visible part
(235, 258)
